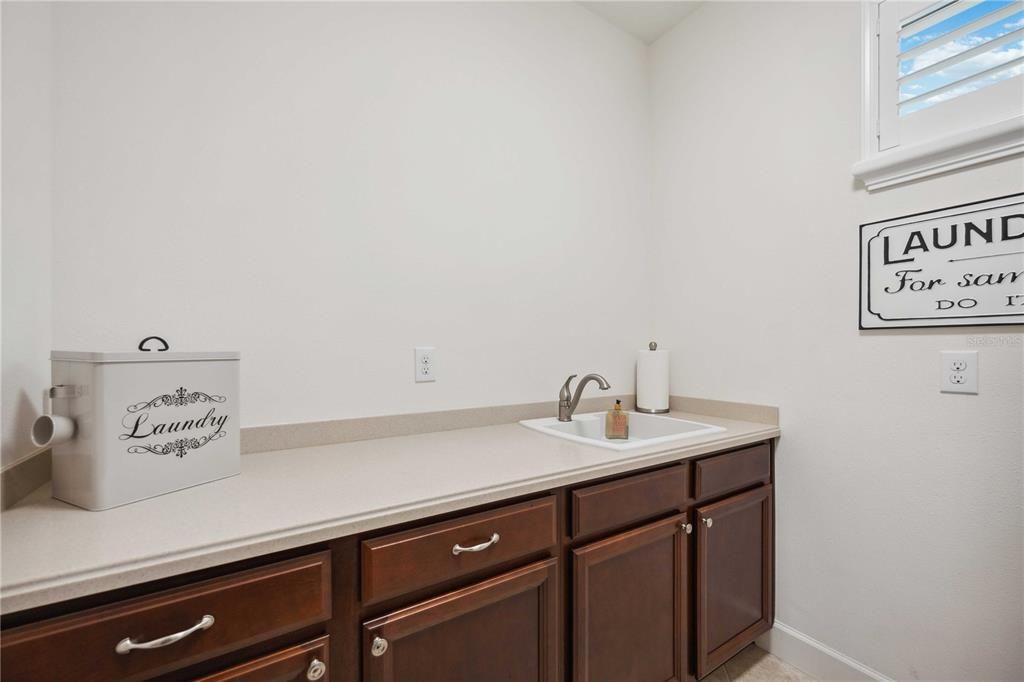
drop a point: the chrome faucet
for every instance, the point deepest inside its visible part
(567, 401)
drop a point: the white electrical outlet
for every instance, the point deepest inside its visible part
(425, 370)
(959, 371)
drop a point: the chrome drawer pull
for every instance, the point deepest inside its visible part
(126, 645)
(459, 549)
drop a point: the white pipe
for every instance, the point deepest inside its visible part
(50, 429)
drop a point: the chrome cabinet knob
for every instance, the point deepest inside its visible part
(688, 527)
(708, 522)
(379, 646)
(316, 669)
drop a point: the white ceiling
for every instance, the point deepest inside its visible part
(648, 21)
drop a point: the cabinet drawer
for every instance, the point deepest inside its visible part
(246, 607)
(403, 562)
(298, 663)
(732, 471)
(612, 505)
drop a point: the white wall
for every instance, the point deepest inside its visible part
(324, 186)
(26, 245)
(898, 509)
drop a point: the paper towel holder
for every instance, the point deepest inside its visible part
(653, 346)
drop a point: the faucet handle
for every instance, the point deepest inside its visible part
(566, 392)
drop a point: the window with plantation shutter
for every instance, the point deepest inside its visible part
(945, 86)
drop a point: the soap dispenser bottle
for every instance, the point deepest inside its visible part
(616, 423)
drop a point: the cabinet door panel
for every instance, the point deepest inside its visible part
(630, 605)
(504, 628)
(294, 664)
(734, 575)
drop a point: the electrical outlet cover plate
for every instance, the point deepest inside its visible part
(959, 371)
(425, 364)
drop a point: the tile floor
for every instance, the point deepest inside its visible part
(754, 664)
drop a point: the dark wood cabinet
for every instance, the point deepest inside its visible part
(734, 566)
(504, 628)
(629, 605)
(655, 575)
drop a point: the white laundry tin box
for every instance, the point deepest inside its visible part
(145, 424)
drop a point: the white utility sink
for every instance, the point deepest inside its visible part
(644, 429)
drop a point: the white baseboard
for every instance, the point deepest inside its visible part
(818, 660)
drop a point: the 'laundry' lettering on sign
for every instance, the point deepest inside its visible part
(141, 428)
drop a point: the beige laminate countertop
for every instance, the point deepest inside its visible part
(52, 551)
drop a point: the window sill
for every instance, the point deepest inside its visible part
(952, 152)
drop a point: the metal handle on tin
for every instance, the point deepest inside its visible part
(126, 645)
(142, 344)
(316, 669)
(64, 391)
(459, 549)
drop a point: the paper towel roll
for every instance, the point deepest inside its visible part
(652, 381)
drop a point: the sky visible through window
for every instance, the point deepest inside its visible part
(976, 71)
